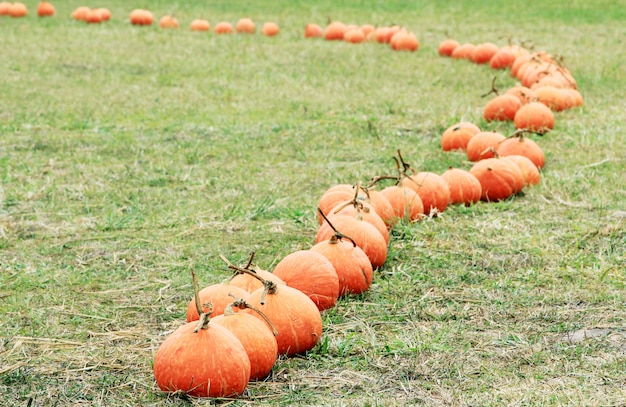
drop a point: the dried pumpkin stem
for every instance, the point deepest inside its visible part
(338, 235)
(493, 89)
(242, 304)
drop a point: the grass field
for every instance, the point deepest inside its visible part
(130, 156)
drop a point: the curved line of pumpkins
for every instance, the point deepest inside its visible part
(259, 315)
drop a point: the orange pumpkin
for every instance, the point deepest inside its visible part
(404, 40)
(499, 179)
(503, 59)
(168, 22)
(351, 264)
(361, 210)
(224, 27)
(458, 135)
(364, 234)
(335, 31)
(141, 17)
(520, 145)
(367, 29)
(18, 10)
(245, 26)
(255, 335)
(294, 316)
(502, 107)
(45, 9)
(5, 8)
(94, 16)
(529, 170)
(105, 14)
(483, 145)
(432, 190)
(406, 203)
(447, 46)
(463, 51)
(311, 273)
(313, 31)
(483, 53)
(205, 362)
(552, 97)
(523, 93)
(270, 29)
(464, 187)
(200, 25)
(354, 36)
(534, 116)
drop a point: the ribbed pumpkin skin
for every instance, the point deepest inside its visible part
(446, 47)
(498, 179)
(432, 190)
(534, 116)
(209, 363)
(457, 136)
(528, 168)
(351, 264)
(368, 214)
(522, 146)
(333, 196)
(406, 203)
(524, 94)
(45, 9)
(294, 316)
(382, 206)
(464, 187)
(478, 147)
(366, 236)
(502, 107)
(311, 273)
(257, 339)
(218, 295)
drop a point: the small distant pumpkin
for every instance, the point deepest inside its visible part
(483, 145)
(313, 31)
(200, 25)
(94, 16)
(502, 107)
(483, 53)
(458, 135)
(141, 17)
(534, 116)
(245, 26)
(45, 9)
(354, 36)
(5, 8)
(404, 40)
(168, 22)
(224, 27)
(446, 47)
(105, 14)
(270, 29)
(335, 31)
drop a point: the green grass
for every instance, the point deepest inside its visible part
(130, 156)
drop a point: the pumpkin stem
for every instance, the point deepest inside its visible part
(203, 323)
(520, 133)
(490, 150)
(379, 178)
(493, 89)
(338, 235)
(269, 286)
(242, 304)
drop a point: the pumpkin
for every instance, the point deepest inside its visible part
(353, 268)
(245, 26)
(458, 135)
(529, 170)
(249, 283)
(81, 13)
(105, 14)
(577, 98)
(464, 187)
(483, 53)
(523, 93)
(483, 145)
(141, 17)
(552, 97)
(218, 296)
(380, 34)
(447, 46)
(354, 36)
(311, 273)
(202, 359)
(223, 27)
(534, 116)
(381, 205)
(364, 234)
(18, 9)
(503, 59)
(406, 203)
(295, 317)
(5, 8)
(313, 31)
(463, 51)
(200, 25)
(432, 190)
(168, 22)
(520, 145)
(499, 178)
(335, 31)
(270, 29)
(207, 362)
(404, 40)
(502, 107)
(367, 29)
(257, 337)
(94, 16)
(362, 210)
(45, 9)
(345, 192)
